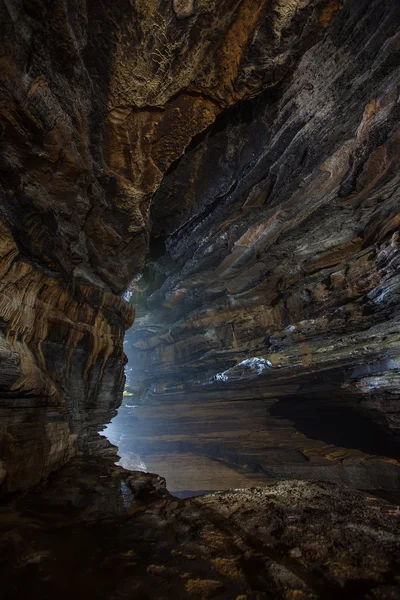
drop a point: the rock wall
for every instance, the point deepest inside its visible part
(62, 367)
(275, 265)
(97, 101)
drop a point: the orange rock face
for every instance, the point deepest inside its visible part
(62, 366)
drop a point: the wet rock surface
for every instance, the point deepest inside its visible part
(96, 530)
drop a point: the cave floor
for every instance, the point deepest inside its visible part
(95, 530)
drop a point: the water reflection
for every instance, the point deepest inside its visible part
(165, 441)
(214, 445)
(114, 432)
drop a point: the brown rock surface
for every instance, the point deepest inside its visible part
(287, 251)
(98, 531)
(62, 367)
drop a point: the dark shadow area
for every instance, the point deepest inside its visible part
(192, 493)
(337, 424)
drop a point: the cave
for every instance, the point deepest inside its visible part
(200, 261)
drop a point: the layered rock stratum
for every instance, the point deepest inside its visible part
(253, 146)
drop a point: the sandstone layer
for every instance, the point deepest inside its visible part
(235, 165)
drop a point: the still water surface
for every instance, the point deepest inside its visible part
(216, 445)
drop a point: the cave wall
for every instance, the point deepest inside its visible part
(98, 100)
(278, 231)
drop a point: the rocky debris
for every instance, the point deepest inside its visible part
(290, 540)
